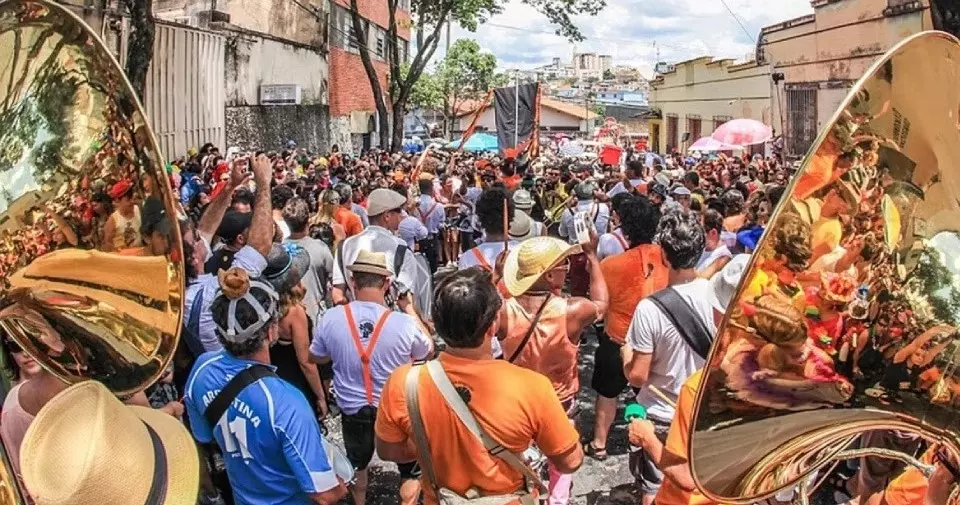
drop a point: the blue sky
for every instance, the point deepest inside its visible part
(627, 30)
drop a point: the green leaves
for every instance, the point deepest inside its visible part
(471, 13)
(426, 93)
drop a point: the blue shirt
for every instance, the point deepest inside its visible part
(270, 436)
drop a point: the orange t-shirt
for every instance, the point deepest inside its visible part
(351, 222)
(631, 276)
(910, 487)
(678, 444)
(514, 416)
(512, 182)
(549, 349)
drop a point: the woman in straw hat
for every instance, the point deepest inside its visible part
(84, 436)
(543, 330)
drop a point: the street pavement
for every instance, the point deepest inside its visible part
(596, 483)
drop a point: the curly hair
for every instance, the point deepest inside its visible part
(733, 202)
(280, 196)
(681, 236)
(489, 209)
(790, 240)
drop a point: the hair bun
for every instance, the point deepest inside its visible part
(235, 282)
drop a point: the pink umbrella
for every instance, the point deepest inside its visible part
(742, 132)
(709, 144)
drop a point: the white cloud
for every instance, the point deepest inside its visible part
(627, 30)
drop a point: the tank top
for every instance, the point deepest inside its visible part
(13, 426)
(549, 350)
(127, 230)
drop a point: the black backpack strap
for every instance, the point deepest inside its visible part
(225, 397)
(684, 319)
(398, 257)
(533, 327)
(191, 330)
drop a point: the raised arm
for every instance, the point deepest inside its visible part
(262, 225)
(218, 207)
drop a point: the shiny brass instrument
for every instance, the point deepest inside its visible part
(72, 133)
(842, 340)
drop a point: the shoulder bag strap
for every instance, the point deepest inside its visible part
(412, 395)
(462, 411)
(398, 257)
(484, 264)
(191, 331)
(684, 319)
(366, 353)
(533, 327)
(218, 407)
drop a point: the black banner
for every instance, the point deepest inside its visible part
(515, 123)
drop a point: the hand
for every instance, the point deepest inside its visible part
(641, 433)
(175, 409)
(322, 407)
(262, 170)
(501, 261)
(590, 248)
(239, 176)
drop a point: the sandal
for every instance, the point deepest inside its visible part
(594, 452)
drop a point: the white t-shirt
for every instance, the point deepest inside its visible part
(610, 245)
(651, 332)
(709, 257)
(598, 212)
(401, 341)
(489, 250)
(619, 188)
(284, 228)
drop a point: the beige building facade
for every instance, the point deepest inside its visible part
(698, 95)
(815, 59)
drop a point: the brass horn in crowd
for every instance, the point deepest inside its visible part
(76, 153)
(842, 339)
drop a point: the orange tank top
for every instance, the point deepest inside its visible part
(549, 350)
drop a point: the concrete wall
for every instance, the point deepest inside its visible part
(303, 21)
(711, 88)
(832, 48)
(271, 126)
(253, 61)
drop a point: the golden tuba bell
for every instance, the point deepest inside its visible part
(91, 276)
(842, 340)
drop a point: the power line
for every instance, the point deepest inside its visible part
(737, 19)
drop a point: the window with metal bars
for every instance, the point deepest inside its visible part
(801, 120)
(693, 127)
(672, 133)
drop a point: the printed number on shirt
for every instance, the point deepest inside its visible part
(234, 435)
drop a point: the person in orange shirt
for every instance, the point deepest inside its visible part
(350, 221)
(630, 277)
(678, 487)
(543, 330)
(465, 313)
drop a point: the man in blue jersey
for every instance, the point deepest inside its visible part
(269, 435)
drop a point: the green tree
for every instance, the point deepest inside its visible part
(466, 74)
(426, 93)
(429, 18)
(608, 75)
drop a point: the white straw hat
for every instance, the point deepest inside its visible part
(531, 259)
(85, 447)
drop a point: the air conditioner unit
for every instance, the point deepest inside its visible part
(280, 94)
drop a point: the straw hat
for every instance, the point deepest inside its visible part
(533, 258)
(371, 263)
(86, 447)
(521, 228)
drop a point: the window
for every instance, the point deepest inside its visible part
(672, 136)
(381, 42)
(801, 120)
(693, 127)
(719, 120)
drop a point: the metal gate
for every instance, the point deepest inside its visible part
(184, 98)
(801, 121)
(672, 135)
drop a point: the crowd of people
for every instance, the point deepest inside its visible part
(410, 295)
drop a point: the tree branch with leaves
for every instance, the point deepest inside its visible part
(430, 17)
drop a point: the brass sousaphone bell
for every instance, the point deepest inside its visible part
(842, 340)
(83, 288)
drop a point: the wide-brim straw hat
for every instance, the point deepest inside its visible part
(528, 262)
(371, 263)
(85, 447)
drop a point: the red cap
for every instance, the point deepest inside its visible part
(120, 189)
